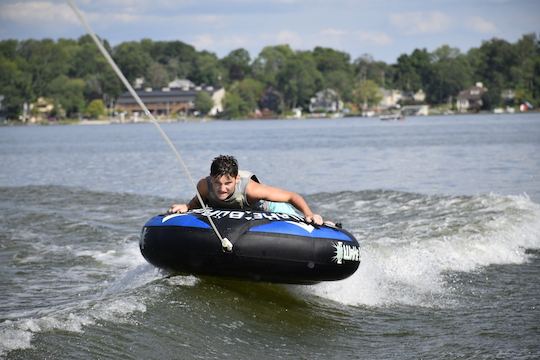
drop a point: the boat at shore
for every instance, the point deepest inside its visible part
(392, 117)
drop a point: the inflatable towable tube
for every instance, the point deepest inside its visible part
(271, 247)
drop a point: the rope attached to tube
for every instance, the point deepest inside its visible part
(225, 243)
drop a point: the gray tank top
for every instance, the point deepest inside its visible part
(238, 199)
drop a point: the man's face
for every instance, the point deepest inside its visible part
(224, 185)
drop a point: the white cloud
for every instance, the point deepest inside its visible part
(37, 12)
(374, 37)
(235, 42)
(208, 19)
(421, 22)
(95, 18)
(288, 37)
(481, 25)
(203, 42)
(53, 14)
(222, 43)
(333, 32)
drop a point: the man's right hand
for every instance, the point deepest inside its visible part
(177, 209)
(314, 218)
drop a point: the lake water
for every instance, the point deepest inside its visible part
(447, 211)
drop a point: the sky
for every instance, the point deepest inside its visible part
(383, 29)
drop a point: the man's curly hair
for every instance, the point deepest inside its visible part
(224, 165)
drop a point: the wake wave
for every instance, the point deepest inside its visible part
(410, 242)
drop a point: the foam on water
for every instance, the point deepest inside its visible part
(116, 303)
(18, 334)
(464, 234)
(116, 298)
(183, 281)
(126, 256)
(66, 266)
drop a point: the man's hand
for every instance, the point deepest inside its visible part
(177, 209)
(314, 218)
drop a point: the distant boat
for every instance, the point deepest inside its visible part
(388, 117)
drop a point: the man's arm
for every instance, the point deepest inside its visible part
(256, 191)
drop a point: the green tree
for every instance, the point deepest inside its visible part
(272, 100)
(494, 62)
(270, 62)
(86, 59)
(250, 90)
(367, 94)
(132, 59)
(8, 49)
(69, 93)
(177, 57)
(89, 64)
(413, 72)
(327, 60)
(299, 80)
(207, 69)
(177, 69)
(203, 102)
(237, 64)
(44, 61)
(15, 86)
(157, 76)
(336, 70)
(366, 68)
(340, 81)
(526, 73)
(163, 51)
(451, 73)
(234, 107)
(95, 109)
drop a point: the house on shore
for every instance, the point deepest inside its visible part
(177, 98)
(471, 99)
(326, 101)
(389, 98)
(40, 110)
(393, 99)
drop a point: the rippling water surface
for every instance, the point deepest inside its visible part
(446, 209)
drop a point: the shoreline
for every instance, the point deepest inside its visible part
(89, 122)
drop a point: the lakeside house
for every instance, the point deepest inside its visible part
(39, 111)
(391, 98)
(471, 99)
(325, 101)
(177, 98)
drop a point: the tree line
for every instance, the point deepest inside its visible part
(75, 76)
